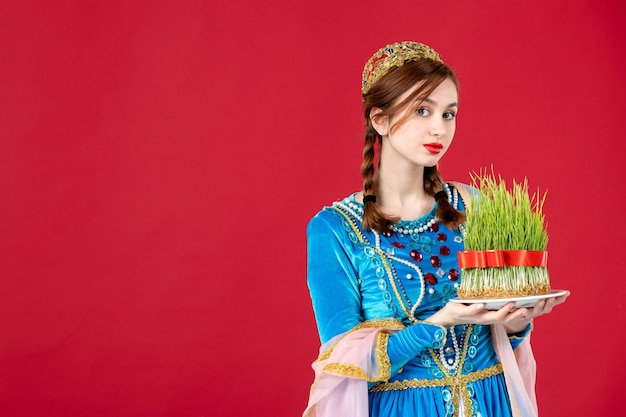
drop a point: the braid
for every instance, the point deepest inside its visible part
(446, 214)
(373, 218)
(367, 166)
(432, 180)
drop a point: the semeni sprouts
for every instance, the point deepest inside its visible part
(504, 219)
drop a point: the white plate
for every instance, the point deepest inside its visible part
(520, 302)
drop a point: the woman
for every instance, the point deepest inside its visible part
(382, 266)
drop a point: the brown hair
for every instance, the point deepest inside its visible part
(384, 95)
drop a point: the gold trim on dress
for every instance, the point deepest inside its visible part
(457, 384)
(448, 381)
(346, 370)
(382, 360)
(382, 357)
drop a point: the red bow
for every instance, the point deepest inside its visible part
(497, 258)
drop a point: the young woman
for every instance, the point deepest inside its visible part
(382, 265)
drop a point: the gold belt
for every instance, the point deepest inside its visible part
(455, 382)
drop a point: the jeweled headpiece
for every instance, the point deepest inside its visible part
(391, 56)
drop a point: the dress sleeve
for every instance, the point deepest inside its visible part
(334, 286)
(410, 342)
(332, 277)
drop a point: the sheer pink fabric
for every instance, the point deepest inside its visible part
(520, 372)
(340, 387)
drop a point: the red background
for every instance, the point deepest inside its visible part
(159, 161)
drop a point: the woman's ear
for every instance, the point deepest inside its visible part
(380, 122)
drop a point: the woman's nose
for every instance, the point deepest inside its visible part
(437, 128)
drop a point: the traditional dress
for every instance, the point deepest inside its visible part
(370, 293)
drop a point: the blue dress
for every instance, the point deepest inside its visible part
(356, 276)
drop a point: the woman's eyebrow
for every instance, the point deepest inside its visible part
(433, 102)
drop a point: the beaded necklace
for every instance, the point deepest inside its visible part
(415, 227)
(451, 365)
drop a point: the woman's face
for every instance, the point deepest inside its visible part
(425, 136)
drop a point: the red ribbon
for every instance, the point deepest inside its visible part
(497, 258)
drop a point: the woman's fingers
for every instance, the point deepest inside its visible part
(545, 306)
(482, 316)
(509, 315)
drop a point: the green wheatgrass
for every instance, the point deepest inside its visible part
(499, 218)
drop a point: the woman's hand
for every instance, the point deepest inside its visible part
(514, 319)
(455, 313)
(519, 318)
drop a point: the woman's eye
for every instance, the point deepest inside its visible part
(449, 115)
(423, 111)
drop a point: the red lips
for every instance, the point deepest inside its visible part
(434, 148)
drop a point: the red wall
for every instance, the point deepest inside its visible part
(159, 161)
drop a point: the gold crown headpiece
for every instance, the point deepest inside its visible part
(391, 56)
